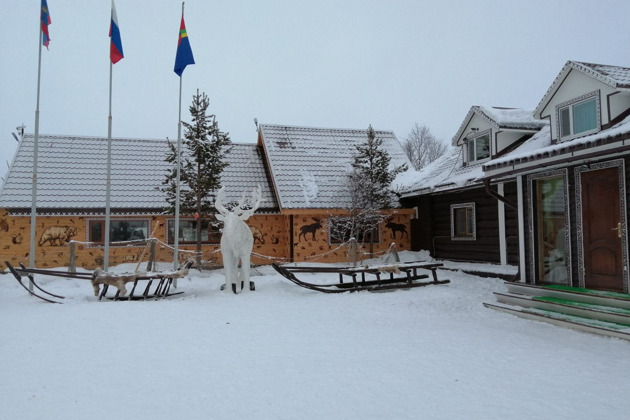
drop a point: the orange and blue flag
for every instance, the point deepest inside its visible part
(115, 49)
(184, 54)
(45, 21)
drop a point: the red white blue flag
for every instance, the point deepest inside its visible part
(116, 49)
(45, 21)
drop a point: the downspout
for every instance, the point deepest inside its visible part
(492, 193)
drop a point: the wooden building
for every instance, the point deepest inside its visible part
(460, 217)
(571, 179)
(301, 172)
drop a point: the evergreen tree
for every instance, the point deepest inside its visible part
(369, 188)
(371, 177)
(203, 152)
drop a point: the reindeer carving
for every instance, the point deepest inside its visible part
(237, 240)
(312, 228)
(396, 227)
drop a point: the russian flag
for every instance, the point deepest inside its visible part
(116, 49)
(45, 19)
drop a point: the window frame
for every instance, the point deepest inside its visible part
(90, 223)
(568, 108)
(471, 228)
(471, 147)
(170, 239)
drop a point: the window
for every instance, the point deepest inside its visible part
(463, 225)
(549, 232)
(188, 232)
(341, 229)
(479, 148)
(579, 117)
(119, 230)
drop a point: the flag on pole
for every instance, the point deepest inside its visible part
(184, 54)
(116, 49)
(45, 19)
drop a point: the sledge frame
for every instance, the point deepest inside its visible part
(162, 289)
(383, 276)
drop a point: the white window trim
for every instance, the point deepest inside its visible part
(570, 104)
(474, 222)
(471, 140)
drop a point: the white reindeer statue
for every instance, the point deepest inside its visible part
(237, 240)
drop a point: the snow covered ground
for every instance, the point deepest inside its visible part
(284, 352)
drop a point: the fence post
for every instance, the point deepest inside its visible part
(393, 252)
(353, 251)
(72, 266)
(151, 262)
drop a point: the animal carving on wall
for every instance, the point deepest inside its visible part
(312, 229)
(4, 226)
(16, 239)
(237, 239)
(258, 235)
(57, 235)
(396, 227)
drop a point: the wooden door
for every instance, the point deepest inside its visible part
(602, 224)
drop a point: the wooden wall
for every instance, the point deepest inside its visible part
(432, 229)
(277, 238)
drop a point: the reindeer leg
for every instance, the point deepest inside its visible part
(245, 270)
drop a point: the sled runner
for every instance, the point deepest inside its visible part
(162, 280)
(373, 279)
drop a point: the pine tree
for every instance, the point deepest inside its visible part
(369, 187)
(203, 152)
(371, 177)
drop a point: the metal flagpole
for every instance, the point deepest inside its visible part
(109, 172)
(35, 147)
(179, 165)
(177, 183)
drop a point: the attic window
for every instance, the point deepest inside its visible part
(479, 147)
(578, 117)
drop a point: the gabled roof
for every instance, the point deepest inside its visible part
(445, 173)
(502, 119)
(613, 76)
(309, 166)
(72, 174)
(538, 150)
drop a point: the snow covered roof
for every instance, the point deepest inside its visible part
(614, 76)
(445, 173)
(72, 174)
(309, 166)
(538, 149)
(502, 118)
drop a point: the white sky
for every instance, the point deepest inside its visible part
(339, 64)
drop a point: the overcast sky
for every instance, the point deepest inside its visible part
(324, 63)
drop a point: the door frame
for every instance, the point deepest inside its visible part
(620, 165)
(533, 228)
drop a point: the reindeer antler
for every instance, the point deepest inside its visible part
(256, 197)
(219, 206)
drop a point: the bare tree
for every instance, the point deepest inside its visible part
(422, 147)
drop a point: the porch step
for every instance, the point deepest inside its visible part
(594, 311)
(568, 321)
(568, 307)
(575, 294)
